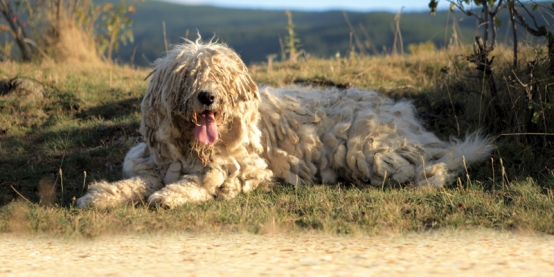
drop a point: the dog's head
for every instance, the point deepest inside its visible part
(197, 93)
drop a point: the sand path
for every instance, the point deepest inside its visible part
(468, 253)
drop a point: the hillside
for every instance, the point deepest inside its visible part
(256, 33)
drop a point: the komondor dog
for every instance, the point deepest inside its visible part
(210, 133)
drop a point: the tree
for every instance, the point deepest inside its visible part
(116, 28)
(48, 24)
(487, 17)
(536, 30)
(538, 100)
(17, 28)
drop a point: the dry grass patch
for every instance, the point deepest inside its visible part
(393, 75)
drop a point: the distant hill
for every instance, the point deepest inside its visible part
(255, 33)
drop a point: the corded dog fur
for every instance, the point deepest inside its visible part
(210, 133)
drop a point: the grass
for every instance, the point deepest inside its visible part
(324, 209)
(51, 150)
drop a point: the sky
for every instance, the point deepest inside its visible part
(321, 5)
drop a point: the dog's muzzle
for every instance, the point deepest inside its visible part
(206, 121)
(206, 98)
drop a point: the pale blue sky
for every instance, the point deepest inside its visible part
(321, 5)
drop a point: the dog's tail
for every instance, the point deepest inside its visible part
(475, 148)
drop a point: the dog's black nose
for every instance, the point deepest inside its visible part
(206, 98)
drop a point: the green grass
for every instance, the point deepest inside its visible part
(324, 209)
(51, 150)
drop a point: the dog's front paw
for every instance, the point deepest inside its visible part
(176, 195)
(165, 200)
(100, 195)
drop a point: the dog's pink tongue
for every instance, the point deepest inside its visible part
(206, 129)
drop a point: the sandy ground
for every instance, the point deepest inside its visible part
(468, 253)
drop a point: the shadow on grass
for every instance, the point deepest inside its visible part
(112, 110)
(90, 146)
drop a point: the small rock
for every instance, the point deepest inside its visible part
(24, 87)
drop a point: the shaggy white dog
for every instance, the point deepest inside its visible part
(210, 133)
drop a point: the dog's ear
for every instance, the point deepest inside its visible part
(156, 117)
(152, 115)
(232, 69)
(163, 97)
(242, 133)
(234, 134)
(251, 93)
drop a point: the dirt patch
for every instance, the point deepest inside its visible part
(468, 253)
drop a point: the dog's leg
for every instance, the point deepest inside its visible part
(188, 189)
(142, 181)
(103, 194)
